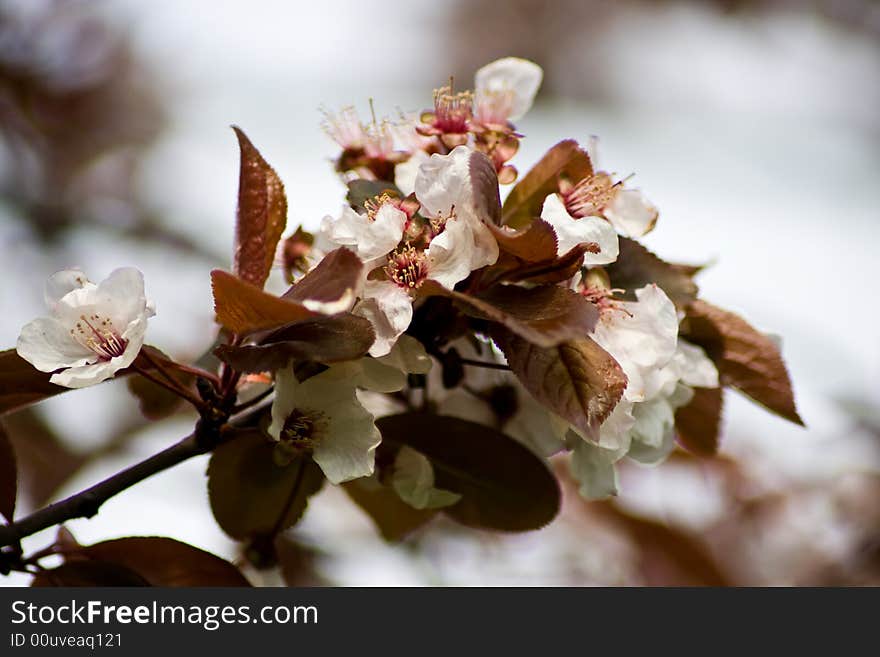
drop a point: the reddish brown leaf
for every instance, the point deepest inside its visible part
(323, 340)
(746, 359)
(21, 384)
(262, 214)
(251, 496)
(8, 476)
(484, 182)
(503, 484)
(545, 315)
(243, 308)
(335, 277)
(394, 518)
(698, 424)
(670, 557)
(636, 267)
(577, 380)
(162, 561)
(534, 243)
(154, 401)
(565, 160)
(88, 573)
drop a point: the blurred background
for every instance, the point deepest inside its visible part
(752, 125)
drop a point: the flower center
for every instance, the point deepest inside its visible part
(407, 267)
(591, 195)
(97, 333)
(373, 205)
(452, 111)
(302, 430)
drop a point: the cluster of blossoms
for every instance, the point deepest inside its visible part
(428, 305)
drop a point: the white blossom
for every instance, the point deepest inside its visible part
(595, 232)
(93, 331)
(505, 89)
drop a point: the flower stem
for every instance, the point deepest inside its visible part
(173, 387)
(487, 365)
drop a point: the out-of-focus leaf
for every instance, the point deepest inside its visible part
(636, 267)
(251, 496)
(323, 339)
(669, 557)
(566, 160)
(154, 401)
(161, 561)
(8, 476)
(21, 384)
(332, 281)
(394, 518)
(577, 380)
(503, 484)
(746, 358)
(243, 308)
(88, 573)
(484, 183)
(698, 424)
(360, 191)
(294, 253)
(297, 562)
(545, 315)
(534, 243)
(262, 214)
(45, 463)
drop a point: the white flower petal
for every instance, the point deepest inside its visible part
(368, 238)
(631, 213)
(121, 296)
(519, 76)
(571, 232)
(406, 172)
(389, 309)
(47, 345)
(450, 254)
(653, 432)
(593, 468)
(413, 480)
(348, 449)
(408, 355)
(696, 369)
(443, 181)
(340, 305)
(62, 282)
(87, 375)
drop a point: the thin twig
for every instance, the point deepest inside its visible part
(180, 392)
(487, 365)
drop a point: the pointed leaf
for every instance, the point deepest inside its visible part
(332, 281)
(546, 315)
(698, 424)
(565, 160)
(534, 243)
(503, 484)
(162, 561)
(243, 308)
(394, 518)
(252, 496)
(577, 380)
(746, 358)
(8, 476)
(636, 267)
(322, 340)
(262, 214)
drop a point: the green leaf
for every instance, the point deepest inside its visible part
(566, 160)
(252, 496)
(262, 214)
(746, 358)
(8, 476)
(323, 339)
(503, 484)
(698, 424)
(636, 267)
(545, 315)
(360, 191)
(394, 518)
(162, 561)
(577, 380)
